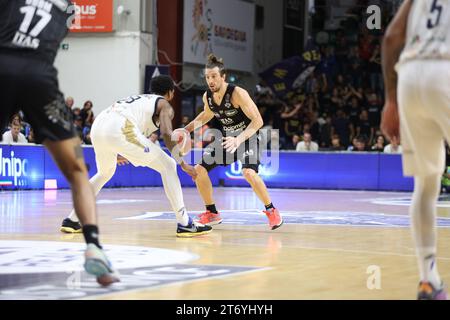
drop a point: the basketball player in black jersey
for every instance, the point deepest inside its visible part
(30, 35)
(240, 121)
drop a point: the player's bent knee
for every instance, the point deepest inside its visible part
(249, 174)
(201, 171)
(172, 164)
(73, 170)
(166, 165)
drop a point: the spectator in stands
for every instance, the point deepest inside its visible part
(366, 47)
(354, 69)
(292, 145)
(361, 144)
(16, 118)
(354, 111)
(328, 64)
(341, 50)
(307, 145)
(342, 127)
(337, 102)
(154, 137)
(353, 145)
(87, 114)
(14, 135)
(291, 119)
(364, 127)
(30, 137)
(393, 147)
(314, 125)
(379, 145)
(374, 69)
(78, 122)
(336, 144)
(76, 112)
(374, 110)
(69, 102)
(325, 132)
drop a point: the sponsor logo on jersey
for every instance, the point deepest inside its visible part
(230, 113)
(235, 127)
(227, 121)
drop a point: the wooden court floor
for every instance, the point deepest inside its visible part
(333, 245)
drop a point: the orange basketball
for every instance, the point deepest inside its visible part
(183, 138)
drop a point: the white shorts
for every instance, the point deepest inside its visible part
(424, 108)
(113, 134)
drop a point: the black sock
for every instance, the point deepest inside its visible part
(211, 208)
(270, 206)
(90, 233)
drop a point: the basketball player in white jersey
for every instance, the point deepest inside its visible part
(122, 129)
(417, 109)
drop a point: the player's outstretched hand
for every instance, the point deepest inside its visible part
(190, 170)
(121, 161)
(390, 123)
(230, 144)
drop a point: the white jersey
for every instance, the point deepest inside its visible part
(140, 110)
(428, 31)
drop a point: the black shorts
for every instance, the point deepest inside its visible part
(248, 153)
(31, 85)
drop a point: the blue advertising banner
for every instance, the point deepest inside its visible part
(391, 174)
(31, 167)
(21, 167)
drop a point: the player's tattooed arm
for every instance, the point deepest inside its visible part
(203, 117)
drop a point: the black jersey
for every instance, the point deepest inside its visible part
(34, 26)
(233, 120)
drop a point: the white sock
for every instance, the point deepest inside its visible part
(97, 182)
(423, 219)
(182, 217)
(167, 167)
(428, 267)
(73, 216)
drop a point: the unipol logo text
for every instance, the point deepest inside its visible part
(12, 167)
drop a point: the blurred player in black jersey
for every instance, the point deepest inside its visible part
(30, 35)
(239, 120)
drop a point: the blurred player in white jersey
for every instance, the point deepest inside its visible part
(417, 46)
(122, 129)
